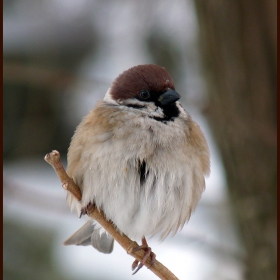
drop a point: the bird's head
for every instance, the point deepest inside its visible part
(145, 86)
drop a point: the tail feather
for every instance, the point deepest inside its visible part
(102, 241)
(92, 234)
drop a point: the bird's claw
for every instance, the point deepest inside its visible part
(85, 209)
(148, 254)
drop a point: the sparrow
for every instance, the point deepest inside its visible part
(140, 158)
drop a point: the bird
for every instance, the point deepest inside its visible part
(140, 158)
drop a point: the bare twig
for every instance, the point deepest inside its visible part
(68, 184)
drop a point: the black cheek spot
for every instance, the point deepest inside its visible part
(135, 106)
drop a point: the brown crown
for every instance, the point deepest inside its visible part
(142, 77)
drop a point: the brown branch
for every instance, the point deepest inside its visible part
(68, 184)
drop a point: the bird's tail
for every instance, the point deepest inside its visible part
(93, 234)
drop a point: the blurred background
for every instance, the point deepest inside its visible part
(60, 57)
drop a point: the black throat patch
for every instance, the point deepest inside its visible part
(170, 111)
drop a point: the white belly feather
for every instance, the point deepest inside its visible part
(111, 175)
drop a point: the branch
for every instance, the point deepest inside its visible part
(128, 245)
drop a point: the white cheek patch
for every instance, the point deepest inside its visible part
(131, 101)
(108, 97)
(147, 108)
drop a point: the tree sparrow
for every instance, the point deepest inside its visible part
(140, 158)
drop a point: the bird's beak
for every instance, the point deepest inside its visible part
(168, 97)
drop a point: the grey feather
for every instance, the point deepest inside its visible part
(91, 234)
(102, 242)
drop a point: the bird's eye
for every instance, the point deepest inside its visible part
(144, 94)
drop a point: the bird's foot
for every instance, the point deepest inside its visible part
(136, 265)
(86, 209)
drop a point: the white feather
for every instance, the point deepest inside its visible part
(109, 169)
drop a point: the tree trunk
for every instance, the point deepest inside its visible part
(238, 45)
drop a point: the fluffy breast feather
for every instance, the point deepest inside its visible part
(106, 153)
